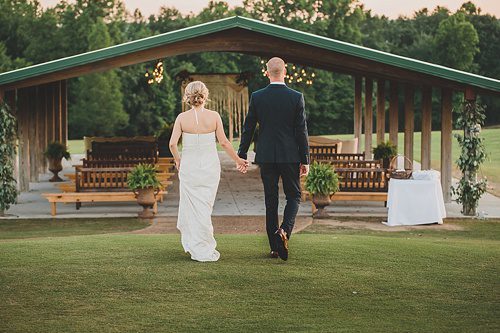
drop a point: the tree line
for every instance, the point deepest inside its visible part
(121, 102)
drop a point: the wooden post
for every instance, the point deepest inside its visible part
(425, 146)
(446, 138)
(358, 117)
(64, 112)
(2, 94)
(394, 114)
(380, 111)
(409, 123)
(32, 132)
(368, 117)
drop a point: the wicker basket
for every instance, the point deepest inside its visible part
(399, 174)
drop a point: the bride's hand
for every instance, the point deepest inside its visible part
(178, 164)
(242, 165)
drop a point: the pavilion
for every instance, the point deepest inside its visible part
(38, 94)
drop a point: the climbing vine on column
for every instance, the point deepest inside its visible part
(472, 154)
(8, 129)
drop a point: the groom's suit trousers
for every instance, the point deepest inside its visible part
(290, 176)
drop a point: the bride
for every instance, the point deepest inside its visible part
(199, 171)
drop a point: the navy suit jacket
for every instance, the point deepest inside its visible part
(280, 113)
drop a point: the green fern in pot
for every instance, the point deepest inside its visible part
(321, 183)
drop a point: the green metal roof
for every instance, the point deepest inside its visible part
(260, 27)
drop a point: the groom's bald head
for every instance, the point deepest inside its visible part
(276, 69)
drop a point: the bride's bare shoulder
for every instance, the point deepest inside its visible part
(213, 113)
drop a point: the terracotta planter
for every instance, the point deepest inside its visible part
(55, 166)
(146, 197)
(321, 201)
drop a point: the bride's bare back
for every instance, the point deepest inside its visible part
(198, 121)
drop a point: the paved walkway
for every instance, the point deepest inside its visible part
(238, 195)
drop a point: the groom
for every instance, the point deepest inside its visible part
(282, 152)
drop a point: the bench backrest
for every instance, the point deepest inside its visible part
(101, 179)
(362, 179)
(115, 163)
(125, 150)
(322, 152)
(349, 156)
(344, 163)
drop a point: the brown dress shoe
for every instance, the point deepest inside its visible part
(282, 241)
(274, 254)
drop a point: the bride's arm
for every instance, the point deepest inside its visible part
(241, 164)
(174, 141)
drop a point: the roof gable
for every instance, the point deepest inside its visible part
(260, 27)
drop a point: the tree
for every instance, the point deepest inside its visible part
(456, 42)
(99, 100)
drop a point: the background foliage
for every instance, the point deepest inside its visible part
(120, 102)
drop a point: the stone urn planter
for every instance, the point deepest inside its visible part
(55, 152)
(321, 183)
(55, 166)
(146, 197)
(143, 181)
(321, 201)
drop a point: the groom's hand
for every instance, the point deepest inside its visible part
(304, 169)
(242, 165)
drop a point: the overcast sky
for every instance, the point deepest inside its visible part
(391, 8)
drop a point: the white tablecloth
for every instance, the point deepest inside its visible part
(412, 202)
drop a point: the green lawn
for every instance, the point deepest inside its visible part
(336, 280)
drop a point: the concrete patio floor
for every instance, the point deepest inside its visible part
(238, 195)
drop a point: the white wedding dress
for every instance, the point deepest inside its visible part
(199, 177)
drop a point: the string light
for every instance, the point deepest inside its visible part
(297, 74)
(157, 74)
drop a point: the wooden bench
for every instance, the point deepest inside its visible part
(76, 197)
(358, 184)
(98, 185)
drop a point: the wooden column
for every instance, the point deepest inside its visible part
(50, 116)
(446, 138)
(358, 116)
(425, 145)
(32, 133)
(394, 114)
(41, 133)
(2, 94)
(409, 123)
(368, 117)
(64, 112)
(380, 111)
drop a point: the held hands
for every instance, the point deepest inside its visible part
(242, 165)
(304, 170)
(178, 164)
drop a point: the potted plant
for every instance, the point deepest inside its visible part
(163, 137)
(143, 181)
(55, 152)
(321, 183)
(385, 151)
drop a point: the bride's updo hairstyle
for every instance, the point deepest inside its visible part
(196, 93)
